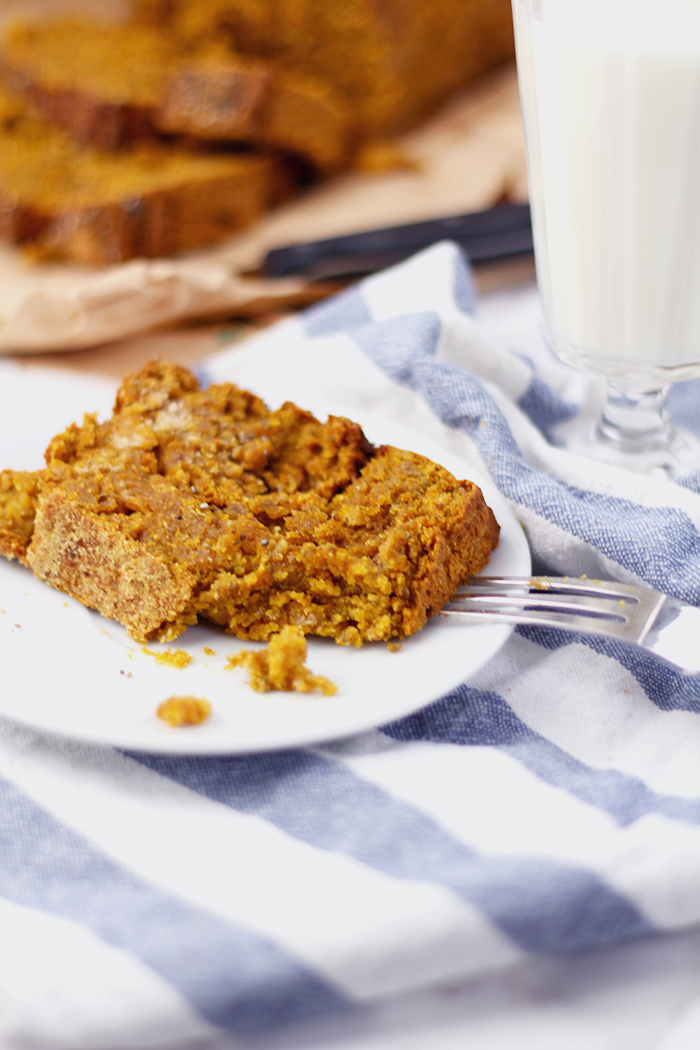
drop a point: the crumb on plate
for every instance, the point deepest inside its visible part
(178, 659)
(184, 710)
(282, 665)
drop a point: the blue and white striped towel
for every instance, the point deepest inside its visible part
(551, 802)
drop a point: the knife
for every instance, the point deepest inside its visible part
(501, 232)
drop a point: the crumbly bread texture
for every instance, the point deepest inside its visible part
(191, 502)
(19, 492)
(111, 86)
(98, 208)
(282, 666)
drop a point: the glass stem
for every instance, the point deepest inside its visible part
(635, 421)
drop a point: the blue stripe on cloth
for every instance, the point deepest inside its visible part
(340, 314)
(235, 978)
(542, 406)
(690, 481)
(658, 544)
(544, 906)
(409, 338)
(349, 309)
(683, 402)
(668, 689)
(463, 287)
(484, 719)
(202, 377)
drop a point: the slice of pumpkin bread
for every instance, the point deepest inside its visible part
(97, 208)
(223, 97)
(191, 502)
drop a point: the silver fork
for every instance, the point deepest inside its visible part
(661, 625)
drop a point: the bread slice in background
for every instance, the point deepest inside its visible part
(98, 208)
(112, 86)
(393, 62)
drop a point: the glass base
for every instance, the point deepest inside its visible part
(634, 432)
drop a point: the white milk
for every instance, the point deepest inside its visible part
(611, 100)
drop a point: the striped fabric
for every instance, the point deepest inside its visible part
(550, 803)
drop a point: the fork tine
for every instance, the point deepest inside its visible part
(557, 585)
(575, 603)
(541, 618)
(655, 622)
(618, 610)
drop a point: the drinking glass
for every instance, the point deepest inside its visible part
(610, 93)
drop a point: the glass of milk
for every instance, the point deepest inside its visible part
(610, 92)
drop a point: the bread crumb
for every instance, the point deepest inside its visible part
(184, 710)
(282, 665)
(208, 651)
(394, 647)
(178, 659)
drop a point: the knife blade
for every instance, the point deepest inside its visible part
(502, 232)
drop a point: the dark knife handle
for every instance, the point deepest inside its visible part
(498, 233)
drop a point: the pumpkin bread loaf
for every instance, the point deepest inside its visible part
(191, 502)
(186, 80)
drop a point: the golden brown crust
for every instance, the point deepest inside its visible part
(192, 503)
(86, 556)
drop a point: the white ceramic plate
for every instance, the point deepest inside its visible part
(68, 670)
